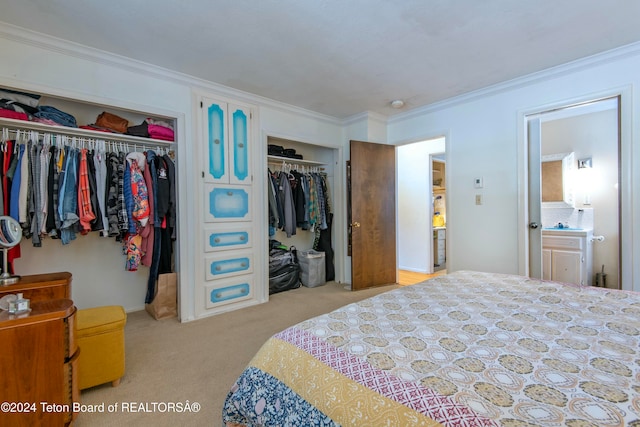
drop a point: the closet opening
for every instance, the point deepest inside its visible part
(92, 253)
(302, 208)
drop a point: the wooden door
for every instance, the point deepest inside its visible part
(373, 215)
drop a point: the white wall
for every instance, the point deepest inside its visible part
(486, 138)
(415, 241)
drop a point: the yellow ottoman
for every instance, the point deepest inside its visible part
(100, 337)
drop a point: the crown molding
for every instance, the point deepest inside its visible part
(69, 48)
(630, 50)
(22, 35)
(365, 115)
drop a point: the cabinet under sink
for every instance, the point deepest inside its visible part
(567, 255)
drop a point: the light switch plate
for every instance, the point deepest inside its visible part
(478, 182)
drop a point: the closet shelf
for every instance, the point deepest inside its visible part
(82, 133)
(279, 159)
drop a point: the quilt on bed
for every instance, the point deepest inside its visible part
(465, 349)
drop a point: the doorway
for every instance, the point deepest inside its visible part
(415, 205)
(588, 134)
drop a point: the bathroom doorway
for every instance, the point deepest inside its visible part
(590, 133)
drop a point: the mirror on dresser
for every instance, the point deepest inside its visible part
(10, 236)
(557, 180)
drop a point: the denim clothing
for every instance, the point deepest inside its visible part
(69, 204)
(60, 117)
(14, 205)
(64, 153)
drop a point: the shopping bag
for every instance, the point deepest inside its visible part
(165, 304)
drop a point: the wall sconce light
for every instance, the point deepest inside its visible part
(585, 163)
(586, 178)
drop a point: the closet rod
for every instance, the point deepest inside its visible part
(296, 166)
(293, 160)
(22, 125)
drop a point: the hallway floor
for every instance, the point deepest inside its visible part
(411, 277)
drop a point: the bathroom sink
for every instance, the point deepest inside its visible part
(564, 228)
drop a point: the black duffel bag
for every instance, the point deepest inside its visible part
(284, 270)
(275, 150)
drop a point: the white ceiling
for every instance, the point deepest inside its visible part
(341, 57)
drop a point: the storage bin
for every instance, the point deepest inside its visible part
(100, 336)
(313, 272)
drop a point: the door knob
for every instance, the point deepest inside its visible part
(533, 225)
(355, 224)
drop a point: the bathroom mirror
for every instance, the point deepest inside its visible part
(10, 236)
(557, 180)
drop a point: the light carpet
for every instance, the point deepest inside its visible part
(170, 363)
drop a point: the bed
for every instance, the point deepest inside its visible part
(463, 349)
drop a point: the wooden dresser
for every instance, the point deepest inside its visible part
(41, 287)
(38, 360)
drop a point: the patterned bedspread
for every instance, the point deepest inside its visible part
(465, 349)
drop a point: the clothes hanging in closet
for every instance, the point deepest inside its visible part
(298, 200)
(301, 200)
(57, 188)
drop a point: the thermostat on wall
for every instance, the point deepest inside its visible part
(477, 182)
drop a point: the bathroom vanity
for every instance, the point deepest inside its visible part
(567, 255)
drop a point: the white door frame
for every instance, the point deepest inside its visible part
(444, 136)
(534, 198)
(629, 210)
(432, 208)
